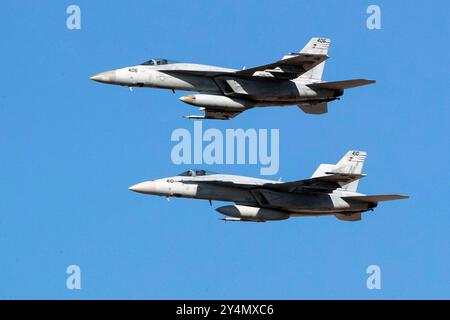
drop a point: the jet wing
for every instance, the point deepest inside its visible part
(326, 183)
(205, 73)
(232, 181)
(180, 69)
(289, 68)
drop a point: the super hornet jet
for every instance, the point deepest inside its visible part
(296, 79)
(330, 191)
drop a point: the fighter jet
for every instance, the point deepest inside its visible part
(296, 79)
(330, 191)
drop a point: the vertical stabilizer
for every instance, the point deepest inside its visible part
(352, 162)
(317, 46)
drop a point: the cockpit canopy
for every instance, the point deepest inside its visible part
(196, 173)
(158, 62)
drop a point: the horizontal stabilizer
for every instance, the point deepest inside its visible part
(317, 108)
(386, 197)
(341, 85)
(352, 217)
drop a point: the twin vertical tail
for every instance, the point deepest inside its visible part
(351, 163)
(316, 46)
(320, 46)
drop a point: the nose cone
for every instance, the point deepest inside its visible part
(147, 187)
(105, 77)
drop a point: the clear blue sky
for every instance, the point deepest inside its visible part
(71, 147)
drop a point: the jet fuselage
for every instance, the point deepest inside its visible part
(259, 91)
(331, 190)
(224, 93)
(291, 203)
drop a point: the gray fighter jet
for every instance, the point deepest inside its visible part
(330, 191)
(296, 79)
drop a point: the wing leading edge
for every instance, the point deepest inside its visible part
(326, 183)
(294, 65)
(289, 68)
